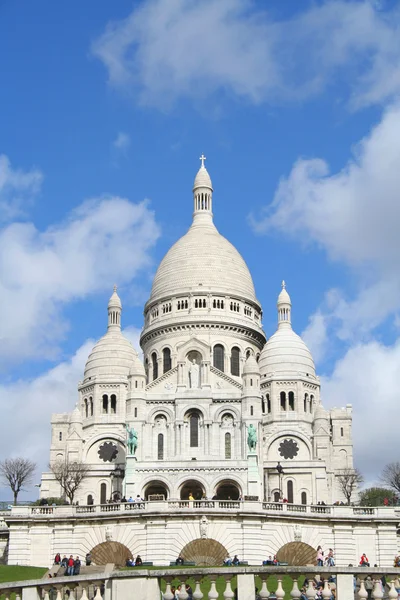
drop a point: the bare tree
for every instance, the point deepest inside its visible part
(70, 476)
(391, 476)
(16, 472)
(348, 481)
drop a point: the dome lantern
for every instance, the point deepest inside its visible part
(202, 192)
(284, 305)
(114, 311)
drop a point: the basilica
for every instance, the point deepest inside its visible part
(217, 408)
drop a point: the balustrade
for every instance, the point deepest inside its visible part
(280, 583)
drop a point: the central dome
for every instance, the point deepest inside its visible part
(203, 260)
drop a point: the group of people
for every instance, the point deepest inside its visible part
(132, 562)
(72, 565)
(318, 586)
(328, 560)
(228, 561)
(176, 591)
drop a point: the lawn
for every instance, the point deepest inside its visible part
(17, 573)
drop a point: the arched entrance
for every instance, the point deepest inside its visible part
(192, 488)
(155, 489)
(204, 553)
(227, 490)
(111, 552)
(297, 554)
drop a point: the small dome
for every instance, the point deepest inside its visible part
(137, 368)
(76, 416)
(202, 179)
(251, 366)
(112, 355)
(285, 353)
(115, 300)
(321, 413)
(284, 297)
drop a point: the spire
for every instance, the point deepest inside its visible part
(114, 311)
(284, 305)
(202, 192)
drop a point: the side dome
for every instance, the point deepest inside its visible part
(285, 353)
(113, 355)
(137, 368)
(251, 366)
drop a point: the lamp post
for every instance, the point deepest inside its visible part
(117, 474)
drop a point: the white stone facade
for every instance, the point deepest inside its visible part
(208, 374)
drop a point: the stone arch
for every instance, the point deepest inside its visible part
(297, 554)
(228, 489)
(286, 434)
(225, 409)
(204, 552)
(194, 487)
(156, 487)
(111, 552)
(167, 412)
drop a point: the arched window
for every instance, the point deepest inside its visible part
(268, 404)
(89, 500)
(276, 496)
(283, 400)
(263, 405)
(290, 492)
(251, 411)
(105, 404)
(160, 446)
(60, 436)
(311, 403)
(113, 404)
(86, 407)
(194, 430)
(303, 498)
(218, 355)
(155, 365)
(103, 493)
(228, 445)
(91, 406)
(291, 400)
(166, 360)
(235, 361)
(305, 402)
(146, 368)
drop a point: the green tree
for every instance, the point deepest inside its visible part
(375, 496)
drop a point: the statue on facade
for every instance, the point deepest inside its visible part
(194, 375)
(203, 527)
(251, 437)
(132, 439)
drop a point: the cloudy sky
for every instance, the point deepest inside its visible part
(104, 111)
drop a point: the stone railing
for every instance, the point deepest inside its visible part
(144, 584)
(314, 511)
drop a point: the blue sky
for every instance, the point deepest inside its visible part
(104, 111)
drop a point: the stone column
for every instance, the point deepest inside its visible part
(181, 374)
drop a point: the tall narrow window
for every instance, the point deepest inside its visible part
(251, 411)
(135, 411)
(91, 406)
(86, 408)
(160, 446)
(113, 404)
(146, 368)
(291, 400)
(105, 404)
(305, 402)
(276, 496)
(263, 405)
(103, 493)
(268, 404)
(228, 445)
(235, 361)
(341, 431)
(194, 430)
(311, 403)
(283, 400)
(290, 492)
(155, 365)
(60, 436)
(166, 360)
(303, 498)
(218, 355)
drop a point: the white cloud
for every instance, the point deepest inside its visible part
(103, 241)
(316, 336)
(181, 48)
(122, 141)
(17, 188)
(367, 378)
(354, 216)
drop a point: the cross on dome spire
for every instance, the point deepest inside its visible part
(203, 158)
(283, 285)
